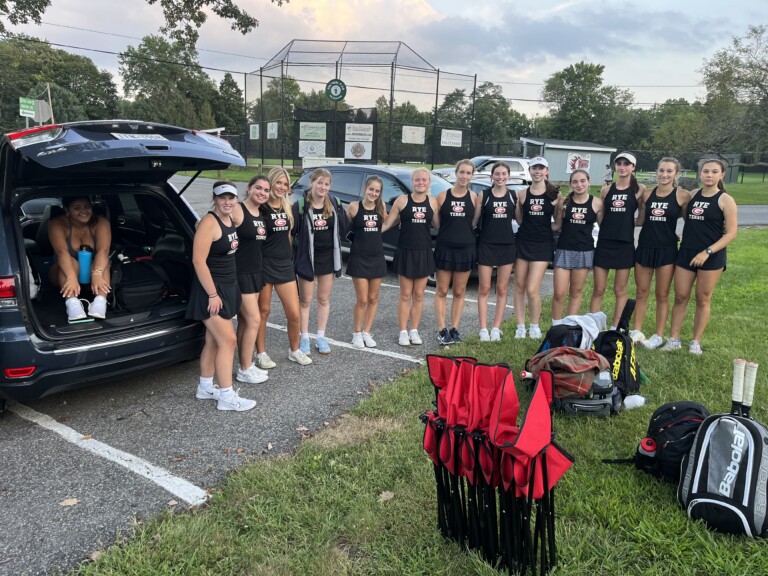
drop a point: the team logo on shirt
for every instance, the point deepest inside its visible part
(320, 223)
(500, 210)
(280, 222)
(261, 231)
(370, 223)
(697, 211)
(419, 215)
(233, 242)
(578, 216)
(618, 203)
(657, 212)
(537, 208)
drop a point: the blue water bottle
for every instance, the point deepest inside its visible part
(84, 256)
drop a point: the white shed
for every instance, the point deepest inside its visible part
(565, 156)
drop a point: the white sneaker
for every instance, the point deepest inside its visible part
(75, 310)
(299, 357)
(414, 337)
(252, 375)
(672, 344)
(232, 401)
(98, 308)
(357, 340)
(653, 342)
(637, 336)
(404, 340)
(695, 348)
(263, 361)
(484, 336)
(211, 393)
(520, 332)
(496, 334)
(534, 332)
(368, 340)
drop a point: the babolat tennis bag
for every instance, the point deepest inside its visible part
(724, 479)
(618, 348)
(670, 435)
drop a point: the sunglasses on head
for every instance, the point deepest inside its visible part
(623, 163)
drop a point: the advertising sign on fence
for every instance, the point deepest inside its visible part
(254, 131)
(359, 133)
(578, 161)
(311, 148)
(357, 150)
(312, 130)
(414, 134)
(450, 138)
(271, 130)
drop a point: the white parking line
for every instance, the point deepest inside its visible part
(180, 488)
(395, 355)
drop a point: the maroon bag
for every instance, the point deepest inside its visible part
(573, 369)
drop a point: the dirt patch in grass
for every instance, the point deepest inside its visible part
(348, 429)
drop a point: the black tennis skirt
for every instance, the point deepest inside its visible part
(197, 308)
(277, 271)
(535, 251)
(716, 260)
(456, 258)
(366, 266)
(414, 263)
(655, 257)
(614, 254)
(250, 283)
(323, 263)
(495, 254)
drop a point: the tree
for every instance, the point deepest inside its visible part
(230, 107)
(736, 79)
(494, 119)
(167, 84)
(183, 18)
(29, 63)
(580, 104)
(454, 111)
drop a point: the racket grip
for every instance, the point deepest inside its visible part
(737, 392)
(750, 376)
(526, 374)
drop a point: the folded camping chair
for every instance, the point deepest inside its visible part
(530, 467)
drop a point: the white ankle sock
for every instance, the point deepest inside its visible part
(206, 382)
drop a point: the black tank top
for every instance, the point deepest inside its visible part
(415, 222)
(322, 229)
(456, 216)
(659, 226)
(276, 246)
(366, 226)
(578, 222)
(496, 216)
(618, 215)
(221, 257)
(251, 234)
(537, 218)
(704, 224)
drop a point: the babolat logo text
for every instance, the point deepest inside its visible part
(616, 368)
(737, 453)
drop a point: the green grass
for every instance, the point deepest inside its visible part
(319, 511)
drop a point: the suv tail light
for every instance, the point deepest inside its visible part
(8, 292)
(22, 372)
(34, 135)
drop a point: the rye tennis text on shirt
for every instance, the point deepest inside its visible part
(697, 212)
(280, 221)
(658, 210)
(619, 203)
(457, 208)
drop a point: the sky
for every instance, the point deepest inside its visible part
(653, 48)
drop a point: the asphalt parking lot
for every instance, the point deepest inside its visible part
(81, 467)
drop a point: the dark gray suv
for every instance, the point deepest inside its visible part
(124, 168)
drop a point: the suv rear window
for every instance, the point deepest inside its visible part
(347, 183)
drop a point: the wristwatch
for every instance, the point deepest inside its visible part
(709, 251)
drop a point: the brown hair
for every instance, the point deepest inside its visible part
(466, 161)
(379, 204)
(569, 198)
(723, 166)
(318, 173)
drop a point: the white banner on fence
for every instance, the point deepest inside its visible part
(578, 161)
(310, 148)
(358, 150)
(271, 130)
(450, 138)
(254, 132)
(312, 130)
(414, 134)
(359, 133)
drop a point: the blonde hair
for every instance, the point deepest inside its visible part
(670, 160)
(425, 171)
(464, 162)
(274, 175)
(318, 173)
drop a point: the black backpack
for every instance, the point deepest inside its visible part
(670, 435)
(724, 479)
(561, 335)
(138, 285)
(618, 348)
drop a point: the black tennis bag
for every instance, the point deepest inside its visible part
(619, 349)
(561, 335)
(138, 285)
(724, 478)
(670, 435)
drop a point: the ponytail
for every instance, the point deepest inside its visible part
(552, 192)
(569, 198)
(634, 185)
